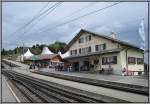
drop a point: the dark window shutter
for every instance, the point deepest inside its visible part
(71, 52)
(104, 46)
(89, 49)
(107, 60)
(90, 37)
(80, 51)
(103, 61)
(96, 47)
(115, 59)
(75, 51)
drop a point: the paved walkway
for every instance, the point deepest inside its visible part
(90, 88)
(136, 80)
(7, 95)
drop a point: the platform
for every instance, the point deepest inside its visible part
(134, 80)
(7, 93)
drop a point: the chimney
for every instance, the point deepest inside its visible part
(113, 35)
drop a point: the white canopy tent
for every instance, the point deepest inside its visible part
(46, 51)
(28, 54)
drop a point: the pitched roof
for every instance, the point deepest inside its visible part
(101, 36)
(28, 54)
(46, 51)
(47, 56)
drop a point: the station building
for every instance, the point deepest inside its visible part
(89, 51)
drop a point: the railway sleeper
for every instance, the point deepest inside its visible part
(71, 95)
(40, 94)
(97, 98)
(54, 95)
(25, 92)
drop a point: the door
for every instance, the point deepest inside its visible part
(76, 66)
(86, 66)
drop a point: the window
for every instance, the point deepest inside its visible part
(139, 60)
(131, 60)
(81, 40)
(96, 61)
(88, 38)
(73, 52)
(104, 60)
(114, 60)
(88, 49)
(84, 50)
(109, 60)
(100, 47)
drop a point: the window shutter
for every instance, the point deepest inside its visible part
(79, 40)
(71, 52)
(75, 51)
(104, 46)
(90, 37)
(115, 59)
(103, 61)
(96, 47)
(80, 51)
(89, 49)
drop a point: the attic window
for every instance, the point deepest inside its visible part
(88, 38)
(81, 40)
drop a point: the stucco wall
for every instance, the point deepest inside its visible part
(123, 58)
(136, 54)
(117, 67)
(95, 40)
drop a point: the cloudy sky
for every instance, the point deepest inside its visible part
(123, 19)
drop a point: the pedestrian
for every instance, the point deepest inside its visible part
(33, 66)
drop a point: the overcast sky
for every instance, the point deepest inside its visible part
(123, 19)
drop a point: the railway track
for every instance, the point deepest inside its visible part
(39, 91)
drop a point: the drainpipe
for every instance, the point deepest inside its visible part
(127, 59)
(100, 62)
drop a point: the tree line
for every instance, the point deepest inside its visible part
(37, 48)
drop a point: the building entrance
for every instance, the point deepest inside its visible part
(76, 66)
(86, 66)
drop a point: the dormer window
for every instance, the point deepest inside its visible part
(81, 40)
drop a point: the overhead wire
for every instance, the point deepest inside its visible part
(79, 17)
(24, 26)
(40, 18)
(75, 12)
